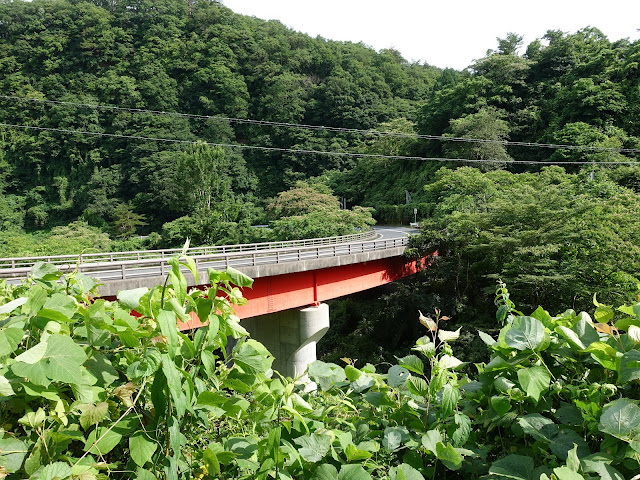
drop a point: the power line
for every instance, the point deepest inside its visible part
(326, 128)
(313, 152)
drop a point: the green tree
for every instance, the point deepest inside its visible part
(311, 211)
(204, 180)
(550, 234)
(487, 124)
(126, 222)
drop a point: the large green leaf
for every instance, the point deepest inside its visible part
(252, 357)
(93, 414)
(500, 404)
(565, 473)
(629, 367)
(397, 376)
(174, 382)
(534, 423)
(238, 278)
(534, 381)
(62, 362)
(394, 437)
(604, 354)
(405, 472)
(5, 387)
(45, 271)
(412, 363)
(101, 440)
(448, 456)
(431, 439)
(525, 333)
(131, 298)
(314, 447)
(326, 374)
(101, 368)
(34, 354)
(10, 338)
(571, 337)
(142, 474)
(141, 448)
(178, 282)
(12, 453)
(167, 321)
(54, 471)
(515, 467)
(325, 471)
(354, 454)
(450, 398)
(418, 386)
(59, 303)
(353, 472)
(212, 462)
(621, 418)
(585, 331)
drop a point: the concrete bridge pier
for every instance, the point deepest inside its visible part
(291, 336)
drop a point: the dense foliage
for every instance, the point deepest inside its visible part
(175, 56)
(89, 391)
(556, 238)
(569, 89)
(312, 211)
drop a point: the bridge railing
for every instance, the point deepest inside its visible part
(112, 257)
(158, 266)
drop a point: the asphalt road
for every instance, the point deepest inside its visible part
(385, 236)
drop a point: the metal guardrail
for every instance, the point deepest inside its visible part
(126, 265)
(111, 257)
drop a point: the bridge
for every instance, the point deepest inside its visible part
(291, 280)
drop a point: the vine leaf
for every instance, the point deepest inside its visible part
(141, 448)
(534, 380)
(516, 467)
(621, 418)
(325, 471)
(353, 472)
(629, 367)
(525, 333)
(313, 447)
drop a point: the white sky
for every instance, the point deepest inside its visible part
(444, 33)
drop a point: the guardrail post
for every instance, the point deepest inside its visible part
(124, 271)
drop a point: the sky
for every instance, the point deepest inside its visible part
(444, 33)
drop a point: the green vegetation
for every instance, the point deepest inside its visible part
(174, 56)
(312, 211)
(90, 391)
(570, 89)
(556, 238)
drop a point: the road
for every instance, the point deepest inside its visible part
(387, 237)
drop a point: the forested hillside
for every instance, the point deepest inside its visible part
(175, 56)
(182, 119)
(568, 89)
(59, 59)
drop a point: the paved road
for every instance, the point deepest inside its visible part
(395, 232)
(388, 237)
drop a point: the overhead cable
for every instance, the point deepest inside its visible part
(313, 152)
(324, 127)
